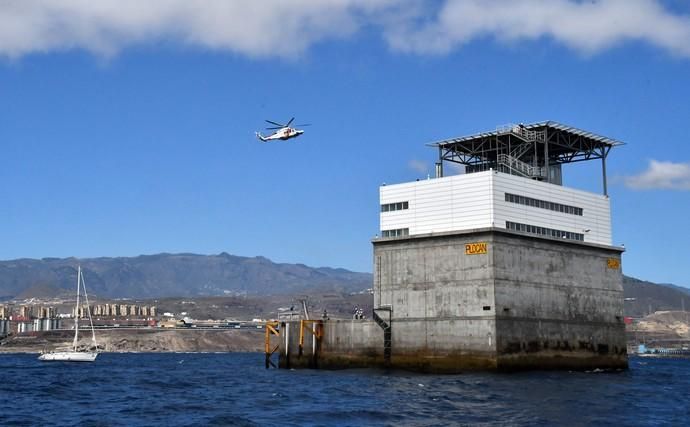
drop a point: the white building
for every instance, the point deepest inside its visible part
(494, 199)
(513, 181)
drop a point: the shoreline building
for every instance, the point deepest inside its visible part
(4, 320)
(27, 319)
(501, 267)
(116, 310)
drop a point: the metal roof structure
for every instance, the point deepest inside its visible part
(534, 150)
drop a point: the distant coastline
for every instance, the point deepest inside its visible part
(143, 341)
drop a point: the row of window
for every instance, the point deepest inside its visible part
(395, 233)
(543, 231)
(528, 201)
(389, 207)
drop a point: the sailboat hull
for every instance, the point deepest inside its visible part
(69, 356)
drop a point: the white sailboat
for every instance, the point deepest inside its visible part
(73, 354)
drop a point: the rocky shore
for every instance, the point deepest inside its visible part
(143, 340)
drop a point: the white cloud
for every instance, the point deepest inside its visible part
(661, 175)
(419, 166)
(587, 26)
(261, 28)
(250, 27)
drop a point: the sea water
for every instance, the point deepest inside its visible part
(235, 389)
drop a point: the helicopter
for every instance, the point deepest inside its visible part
(282, 131)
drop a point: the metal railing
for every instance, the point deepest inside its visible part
(522, 132)
(520, 150)
(270, 349)
(520, 167)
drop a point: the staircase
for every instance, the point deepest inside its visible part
(519, 167)
(520, 150)
(512, 161)
(386, 326)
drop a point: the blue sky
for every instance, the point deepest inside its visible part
(127, 137)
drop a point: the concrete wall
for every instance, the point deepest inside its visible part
(433, 346)
(558, 304)
(441, 301)
(529, 302)
(345, 344)
(432, 277)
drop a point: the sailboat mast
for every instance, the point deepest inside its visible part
(88, 310)
(76, 311)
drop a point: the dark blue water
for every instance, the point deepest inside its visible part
(235, 389)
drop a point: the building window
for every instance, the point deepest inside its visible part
(543, 204)
(400, 232)
(543, 231)
(399, 206)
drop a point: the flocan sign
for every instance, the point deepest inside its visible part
(476, 248)
(613, 263)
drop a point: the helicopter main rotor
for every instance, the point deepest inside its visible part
(281, 126)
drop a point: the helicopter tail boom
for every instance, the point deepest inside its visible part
(261, 137)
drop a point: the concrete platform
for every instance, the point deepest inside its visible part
(514, 302)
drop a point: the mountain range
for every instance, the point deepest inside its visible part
(192, 275)
(164, 275)
(643, 298)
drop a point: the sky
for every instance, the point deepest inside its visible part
(127, 127)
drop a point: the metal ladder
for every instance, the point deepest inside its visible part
(386, 326)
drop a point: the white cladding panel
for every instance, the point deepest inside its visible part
(477, 200)
(596, 216)
(451, 203)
